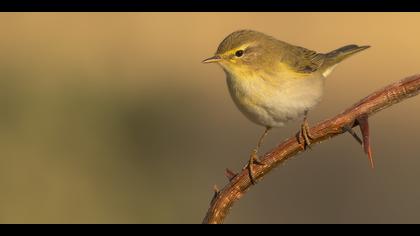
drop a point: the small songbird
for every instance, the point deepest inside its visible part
(273, 82)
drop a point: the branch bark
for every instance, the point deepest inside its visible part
(224, 199)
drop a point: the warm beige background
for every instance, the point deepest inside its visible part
(112, 118)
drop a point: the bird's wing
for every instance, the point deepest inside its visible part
(302, 60)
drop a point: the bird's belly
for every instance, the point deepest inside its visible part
(273, 104)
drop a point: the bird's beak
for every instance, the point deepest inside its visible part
(212, 59)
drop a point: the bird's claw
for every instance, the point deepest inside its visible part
(253, 160)
(305, 135)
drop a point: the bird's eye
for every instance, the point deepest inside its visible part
(239, 53)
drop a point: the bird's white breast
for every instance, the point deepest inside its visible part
(272, 102)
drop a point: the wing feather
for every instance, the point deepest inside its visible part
(303, 60)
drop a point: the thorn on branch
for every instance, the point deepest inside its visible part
(348, 128)
(216, 189)
(364, 128)
(230, 174)
(216, 193)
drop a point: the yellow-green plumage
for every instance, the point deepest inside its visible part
(272, 81)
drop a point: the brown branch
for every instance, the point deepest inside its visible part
(223, 199)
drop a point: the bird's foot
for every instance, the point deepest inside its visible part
(305, 135)
(252, 161)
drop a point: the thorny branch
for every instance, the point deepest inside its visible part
(356, 115)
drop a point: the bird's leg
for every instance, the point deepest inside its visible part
(304, 132)
(254, 156)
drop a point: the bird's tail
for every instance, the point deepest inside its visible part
(336, 56)
(342, 53)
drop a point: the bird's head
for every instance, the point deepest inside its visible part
(246, 51)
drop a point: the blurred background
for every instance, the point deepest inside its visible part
(112, 118)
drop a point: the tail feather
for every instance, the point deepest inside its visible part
(342, 53)
(332, 58)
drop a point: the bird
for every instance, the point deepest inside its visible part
(273, 82)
